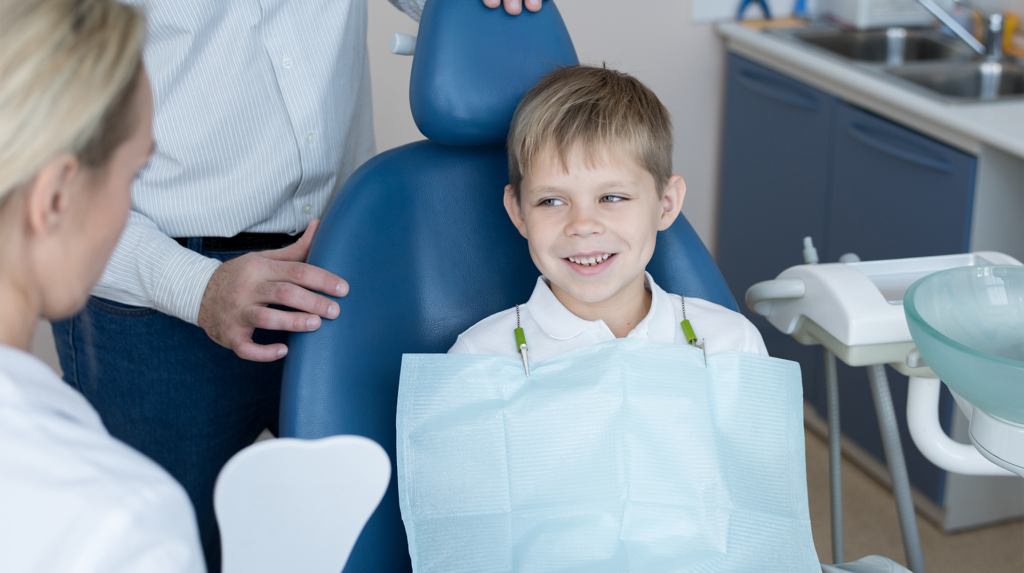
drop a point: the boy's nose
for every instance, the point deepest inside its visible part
(583, 221)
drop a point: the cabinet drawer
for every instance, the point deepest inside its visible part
(896, 193)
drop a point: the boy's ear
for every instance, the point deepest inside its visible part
(515, 210)
(672, 201)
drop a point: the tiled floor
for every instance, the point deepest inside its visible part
(870, 525)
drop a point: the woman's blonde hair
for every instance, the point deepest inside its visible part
(596, 110)
(68, 73)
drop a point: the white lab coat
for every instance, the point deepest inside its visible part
(74, 499)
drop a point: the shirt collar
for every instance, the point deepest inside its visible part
(35, 385)
(554, 319)
(559, 323)
(660, 322)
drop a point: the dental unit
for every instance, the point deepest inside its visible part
(859, 312)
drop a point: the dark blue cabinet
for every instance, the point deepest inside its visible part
(799, 162)
(895, 192)
(774, 171)
(775, 161)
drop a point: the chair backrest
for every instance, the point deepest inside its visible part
(298, 505)
(422, 236)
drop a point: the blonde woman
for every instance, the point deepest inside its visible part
(75, 127)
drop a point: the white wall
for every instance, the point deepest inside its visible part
(43, 346)
(389, 75)
(652, 39)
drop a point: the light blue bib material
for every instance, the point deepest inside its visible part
(629, 455)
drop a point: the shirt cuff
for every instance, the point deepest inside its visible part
(414, 8)
(182, 284)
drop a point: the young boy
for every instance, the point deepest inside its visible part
(591, 184)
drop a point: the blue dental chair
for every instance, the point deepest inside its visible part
(422, 237)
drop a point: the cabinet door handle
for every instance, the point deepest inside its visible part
(874, 138)
(784, 92)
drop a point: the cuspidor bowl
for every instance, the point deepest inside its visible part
(968, 325)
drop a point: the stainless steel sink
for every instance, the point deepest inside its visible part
(893, 46)
(966, 81)
(920, 59)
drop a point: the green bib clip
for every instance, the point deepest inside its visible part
(521, 344)
(691, 336)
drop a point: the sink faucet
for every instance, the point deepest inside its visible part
(994, 37)
(992, 49)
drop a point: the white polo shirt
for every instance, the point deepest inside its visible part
(72, 498)
(551, 329)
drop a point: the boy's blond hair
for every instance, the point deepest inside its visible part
(596, 109)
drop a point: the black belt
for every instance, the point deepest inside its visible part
(242, 242)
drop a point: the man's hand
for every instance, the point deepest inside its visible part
(514, 7)
(236, 298)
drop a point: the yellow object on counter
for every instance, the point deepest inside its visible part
(775, 23)
(1013, 43)
(979, 26)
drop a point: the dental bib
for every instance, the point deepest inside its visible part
(629, 455)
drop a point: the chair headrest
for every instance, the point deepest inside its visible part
(473, 64)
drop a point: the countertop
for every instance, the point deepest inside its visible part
(966, 126)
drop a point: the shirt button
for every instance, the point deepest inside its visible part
(287, 63)
(310, 138)
(307, 208)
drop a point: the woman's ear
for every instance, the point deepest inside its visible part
(48, 197)
(672, 201)
(515, 210)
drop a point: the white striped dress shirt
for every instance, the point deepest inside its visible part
(262, 110)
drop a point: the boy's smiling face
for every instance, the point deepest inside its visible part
(591, 225)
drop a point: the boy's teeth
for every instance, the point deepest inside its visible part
(590, 261)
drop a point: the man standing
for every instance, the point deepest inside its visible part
(263, 110)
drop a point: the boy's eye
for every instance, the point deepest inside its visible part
(612, 199)
(551, 202)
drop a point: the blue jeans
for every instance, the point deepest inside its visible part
(165, 388)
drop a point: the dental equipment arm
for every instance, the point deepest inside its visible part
(940, 449)
(760, 296)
